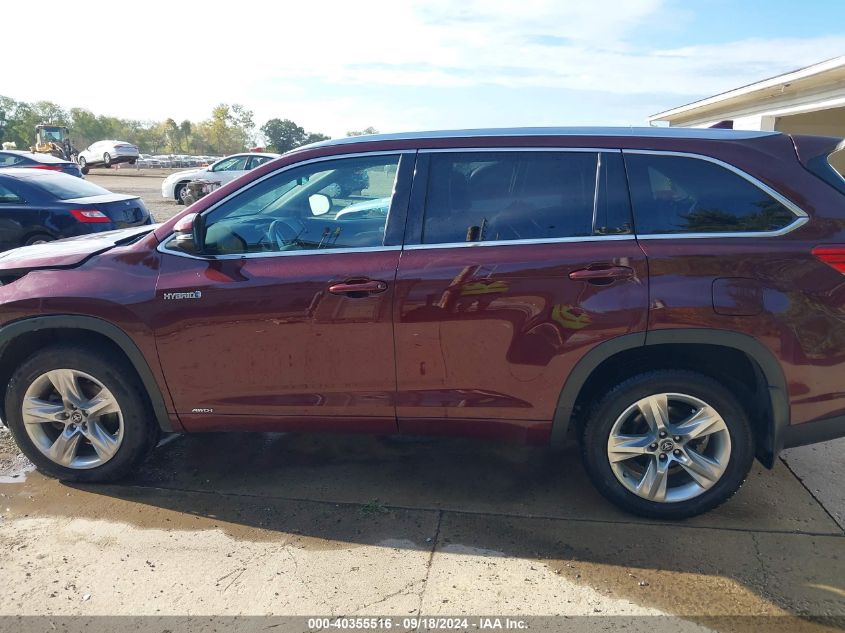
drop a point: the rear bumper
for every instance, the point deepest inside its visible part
(123, 158)
(814, 432)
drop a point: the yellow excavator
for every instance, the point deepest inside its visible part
(55, 140)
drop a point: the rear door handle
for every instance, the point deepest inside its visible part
(358, 287)
(601, 274)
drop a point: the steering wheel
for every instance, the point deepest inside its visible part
(283, 235)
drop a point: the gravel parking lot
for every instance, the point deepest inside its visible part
(227, 524)
(146, 184)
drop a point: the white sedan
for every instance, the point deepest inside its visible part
(222, 171)
(107, 153)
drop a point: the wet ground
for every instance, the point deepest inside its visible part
(231, 524)
(342, 525)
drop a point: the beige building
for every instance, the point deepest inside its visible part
(810, 100)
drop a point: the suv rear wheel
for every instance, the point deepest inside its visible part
(668, 444)
(79, 416)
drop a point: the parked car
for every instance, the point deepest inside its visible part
(164, 161)
(16, 158)
(148, 162)
(107, 153)
(223, 171)
(38, 206)
(675, 298)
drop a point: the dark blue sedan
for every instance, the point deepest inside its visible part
(15, 158)
(39, 206)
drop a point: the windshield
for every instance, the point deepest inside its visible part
(65, 187)
(53, 133)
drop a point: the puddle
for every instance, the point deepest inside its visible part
(14, 467)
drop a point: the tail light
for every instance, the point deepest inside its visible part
(89, 215)
(50, 167)
(831, 254)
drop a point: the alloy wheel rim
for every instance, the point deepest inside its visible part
(73, 419)
(669, 447)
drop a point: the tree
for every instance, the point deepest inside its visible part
(173, 135)
(315, 137)
(284, 135)
(229, 129)
(185, 133)
(85, 127)
(364, 132)
(243, 126)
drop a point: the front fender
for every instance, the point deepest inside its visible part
(10, 331)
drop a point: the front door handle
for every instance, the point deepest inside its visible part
(602, 274)
(358, 287)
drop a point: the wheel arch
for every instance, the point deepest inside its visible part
(773, 411)
(179, 184)
(19, 339)
(37, 230)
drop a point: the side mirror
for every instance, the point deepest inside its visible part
(320, 203)
(189, 234)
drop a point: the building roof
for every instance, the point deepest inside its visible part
(818, 76)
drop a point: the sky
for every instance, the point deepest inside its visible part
(408, 65)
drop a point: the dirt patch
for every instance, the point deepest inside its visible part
(148, 189)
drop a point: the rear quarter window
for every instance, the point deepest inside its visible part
(679, 194)
(65, 187)
(7, 196)
(9, 160)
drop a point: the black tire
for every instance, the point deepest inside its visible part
(107, 159)
(37, 238)
(83, 165)
(178, 192)
(140, 433)
(603, 415)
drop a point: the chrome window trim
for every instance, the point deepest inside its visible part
(161, 248)
(551, 240)
(526, 148)
(801, 216)
(596, 194)
(322, 251)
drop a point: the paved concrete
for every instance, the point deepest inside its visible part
(821, 468)
(285, 524)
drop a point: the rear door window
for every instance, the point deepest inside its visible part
(255, 161)
(680, 194)
(524, 195)
(65, 187)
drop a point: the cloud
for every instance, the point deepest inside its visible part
(157, 59)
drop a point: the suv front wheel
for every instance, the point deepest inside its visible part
(79, 416)
(668, 444)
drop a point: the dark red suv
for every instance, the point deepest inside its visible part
(675, 298)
